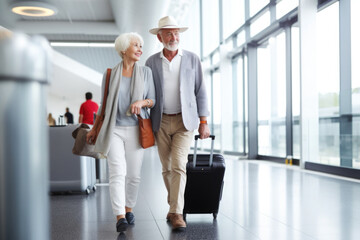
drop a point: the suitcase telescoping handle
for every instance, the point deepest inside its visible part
(211, 153)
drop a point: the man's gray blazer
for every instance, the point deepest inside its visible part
(192, 90)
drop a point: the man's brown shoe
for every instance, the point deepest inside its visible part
(168, 216)
(177, 222)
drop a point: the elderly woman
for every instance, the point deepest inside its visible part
(131, 92)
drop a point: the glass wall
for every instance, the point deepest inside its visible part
(260, 24)
(246, 102)
(285, 6)
(190, 39)
(265, 57)
(216, 114)
(256, 6)
(213, 89)
(240, 38)
(208, 81)
(210, 26)
(272, 97)
(238, 138)
(234, 16)
(295, 78)
(355, 56)
(271, 74)
(355, 81)
(328, 79)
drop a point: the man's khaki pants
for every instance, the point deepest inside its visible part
(173, 141)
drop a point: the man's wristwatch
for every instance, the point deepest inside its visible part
(203, 122)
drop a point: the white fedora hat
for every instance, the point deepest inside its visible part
(167, 22)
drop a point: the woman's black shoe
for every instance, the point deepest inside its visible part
(130, 218)
(121, 225)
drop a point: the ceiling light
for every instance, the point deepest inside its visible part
(33, 8)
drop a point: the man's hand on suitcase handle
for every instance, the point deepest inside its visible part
(198, 136)
(204, 131)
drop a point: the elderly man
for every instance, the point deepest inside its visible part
(181, 108)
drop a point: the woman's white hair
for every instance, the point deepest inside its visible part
(122, 42)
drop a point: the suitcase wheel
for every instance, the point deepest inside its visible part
(94, 188)
(87, 191)
(215, 215)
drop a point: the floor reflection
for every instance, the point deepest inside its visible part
(260, 200)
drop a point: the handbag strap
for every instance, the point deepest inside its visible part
(106, 92)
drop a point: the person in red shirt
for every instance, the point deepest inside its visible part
(88, 109)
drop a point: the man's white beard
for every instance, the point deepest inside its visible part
(173, 47)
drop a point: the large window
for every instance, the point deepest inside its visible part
(190, 40)
(246, 92)
(238, 138)
(266, 75)
(216, 116)
(272, 97)
(208, 81)
(355, 81)
(257, 5)
(210, 13)
(233, 16)
(328, 79)
(355, 56)
(213, 90)
(295, 77)
(260, 24)
(285, 6)
(240, 38)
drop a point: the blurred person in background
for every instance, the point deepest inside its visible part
(69, 117)
(51, 120)
(88, 110)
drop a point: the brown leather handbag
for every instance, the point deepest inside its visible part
(146, 135)
(81, 147)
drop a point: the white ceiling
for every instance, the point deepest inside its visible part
(97, 21)
(94, 21)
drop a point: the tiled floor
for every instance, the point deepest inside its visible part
(261, 200)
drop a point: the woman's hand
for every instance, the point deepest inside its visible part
(136, 106)
(91, 137)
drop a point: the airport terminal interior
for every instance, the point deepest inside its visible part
(283, 87)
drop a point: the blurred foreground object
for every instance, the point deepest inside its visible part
(24, 199)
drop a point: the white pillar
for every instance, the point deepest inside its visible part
(226, 99)
(309, 115)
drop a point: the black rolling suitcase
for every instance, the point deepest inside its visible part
(205, 180)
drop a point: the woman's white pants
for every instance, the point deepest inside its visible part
(124, 159)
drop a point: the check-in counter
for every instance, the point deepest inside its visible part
(69, 172)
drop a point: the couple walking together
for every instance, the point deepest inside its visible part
(171, 85)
